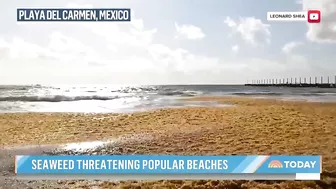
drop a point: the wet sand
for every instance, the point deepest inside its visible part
(253, 126)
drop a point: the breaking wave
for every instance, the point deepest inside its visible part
(61, 98)
(55, 98)
(179, 93)
(38, 93)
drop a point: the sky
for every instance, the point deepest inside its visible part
(168, 42)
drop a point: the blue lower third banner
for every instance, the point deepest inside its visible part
(170, 167)
(36, 15)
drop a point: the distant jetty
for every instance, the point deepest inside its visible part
(294, 82)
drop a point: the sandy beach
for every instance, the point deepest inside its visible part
(250, 126)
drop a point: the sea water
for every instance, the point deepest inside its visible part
(123, 99)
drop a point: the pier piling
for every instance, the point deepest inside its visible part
(298, 82)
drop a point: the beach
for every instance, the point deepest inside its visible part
(247, 126)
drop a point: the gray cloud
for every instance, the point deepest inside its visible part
(324, 32)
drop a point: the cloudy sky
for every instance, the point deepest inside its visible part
(168, 42)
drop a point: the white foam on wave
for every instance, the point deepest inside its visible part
(76, 146)
(84, 146)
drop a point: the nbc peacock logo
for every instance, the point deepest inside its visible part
(275, 164)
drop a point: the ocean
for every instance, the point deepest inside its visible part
(124, 99)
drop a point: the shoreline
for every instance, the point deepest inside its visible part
(177, 102)
(252, 126)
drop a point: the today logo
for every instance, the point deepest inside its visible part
(299, 164)
(292, 164)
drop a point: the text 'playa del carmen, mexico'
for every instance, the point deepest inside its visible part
(74, 14)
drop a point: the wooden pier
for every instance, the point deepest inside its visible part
(294, 82)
